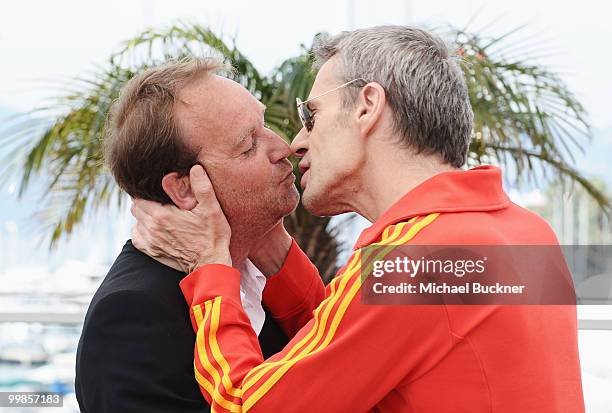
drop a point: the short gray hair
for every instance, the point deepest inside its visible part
(424, 83)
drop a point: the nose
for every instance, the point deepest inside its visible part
(280, 149)
(299, 146)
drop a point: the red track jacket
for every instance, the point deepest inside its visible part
(346, 356)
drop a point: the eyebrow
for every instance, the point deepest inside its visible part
(244, 136)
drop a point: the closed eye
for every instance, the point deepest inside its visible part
(252, 148)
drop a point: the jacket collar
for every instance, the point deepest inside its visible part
(476, 189)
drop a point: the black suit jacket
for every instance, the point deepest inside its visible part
(135, 353)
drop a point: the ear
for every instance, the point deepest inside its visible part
(372, 101)
(179, 190)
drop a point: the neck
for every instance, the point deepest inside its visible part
(239, 249)
(389, 174)
(244, 239)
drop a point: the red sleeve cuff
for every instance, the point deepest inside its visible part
(210, 281)
(289, 288)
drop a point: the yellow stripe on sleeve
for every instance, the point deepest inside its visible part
(262, 390)
(200, 342)
(216, 351)
(325, 305)
(319, 326)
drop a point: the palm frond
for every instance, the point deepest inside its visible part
(523, 113)
(292, 79)
(63, 139)
(155, 46)
(563, 172)
(525, 117)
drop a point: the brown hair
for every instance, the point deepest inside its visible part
(142, 140)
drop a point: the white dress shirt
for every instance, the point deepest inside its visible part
(252, 283)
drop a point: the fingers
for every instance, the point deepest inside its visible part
(190, 238)
(141, 239)
(145, 206)
(137, 239)
(151, 214)
(201, 186)
(139, 213)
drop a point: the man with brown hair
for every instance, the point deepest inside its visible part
(136, 349)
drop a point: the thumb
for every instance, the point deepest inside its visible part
(201, 186)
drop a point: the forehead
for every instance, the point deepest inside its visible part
(327, 78)
(215, 110)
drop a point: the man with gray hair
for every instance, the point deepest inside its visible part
(386, 130)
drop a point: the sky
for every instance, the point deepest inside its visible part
(45, 41)
(42, 40)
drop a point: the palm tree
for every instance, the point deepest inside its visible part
(525, 118)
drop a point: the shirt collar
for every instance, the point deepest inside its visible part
(252, 284)
(476, 189)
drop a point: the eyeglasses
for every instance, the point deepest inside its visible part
(304, 111)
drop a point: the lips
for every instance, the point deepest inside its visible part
(304, 179)
(289, 176)
(304, 166)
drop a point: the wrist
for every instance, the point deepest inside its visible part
(221, 258)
